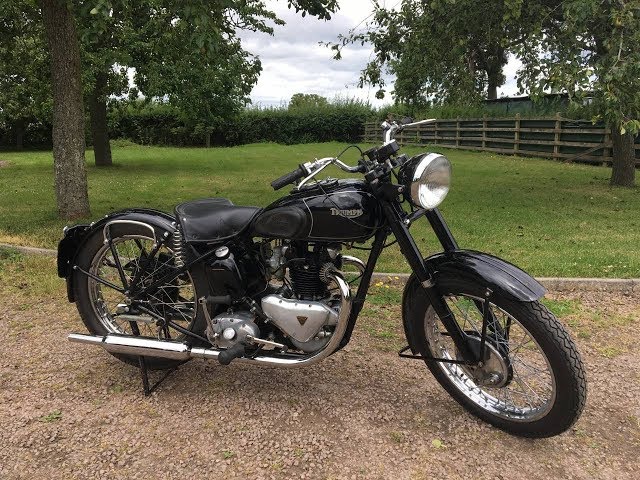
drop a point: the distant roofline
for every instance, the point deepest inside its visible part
(527, 97)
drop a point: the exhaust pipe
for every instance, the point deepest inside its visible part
(149, 347)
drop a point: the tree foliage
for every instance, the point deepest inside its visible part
(24, 66)
(186, 52)
(588, 47)
(443, 50)
(307, 100)
(453, 51)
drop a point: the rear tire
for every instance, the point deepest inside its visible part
(95, 302)
(530, 401)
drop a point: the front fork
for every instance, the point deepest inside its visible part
(399, 224)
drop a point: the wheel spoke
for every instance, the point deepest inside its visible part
(123, 261)
(529, 385)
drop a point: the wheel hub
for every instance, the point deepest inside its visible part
(494, 371)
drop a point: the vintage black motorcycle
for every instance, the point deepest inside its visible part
(271, 286)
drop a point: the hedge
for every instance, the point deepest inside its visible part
(163, 125)
(152, 123)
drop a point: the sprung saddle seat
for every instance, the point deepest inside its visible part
(212, 220)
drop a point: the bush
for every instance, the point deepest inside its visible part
(161, 124)
(150, 123)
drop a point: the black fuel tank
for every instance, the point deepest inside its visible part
(331, 210)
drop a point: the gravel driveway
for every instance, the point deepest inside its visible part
(70, 411)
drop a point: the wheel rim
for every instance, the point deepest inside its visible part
(530, 392)
(175, 300)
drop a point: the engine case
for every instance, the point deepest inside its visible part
(300, 319)
(241, 324)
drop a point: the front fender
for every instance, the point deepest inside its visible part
(75, 237)
(480, 271)
(501, 277)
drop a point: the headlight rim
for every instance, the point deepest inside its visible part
(413, 172)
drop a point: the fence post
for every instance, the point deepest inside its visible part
(208, 139)
(556, 136)
(458, 132)
(516, 135)
(484, 131)
(436, 136)
(607, 151)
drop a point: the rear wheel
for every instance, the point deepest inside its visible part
(106, 310)
(531, 382)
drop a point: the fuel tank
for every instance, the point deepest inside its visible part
(330, 210)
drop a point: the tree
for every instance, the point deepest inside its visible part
(311, 100)
(184, 52)
(447, 50)
(210, 25)
(68, 110)
(591, 46)
(25, 94)
(104, 42)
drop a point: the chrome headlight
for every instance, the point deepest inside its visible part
(426, 178)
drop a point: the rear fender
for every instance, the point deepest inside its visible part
(75, 237)
(481, 270)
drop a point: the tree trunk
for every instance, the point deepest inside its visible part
(492, 90)
(68, 114)
(19, 128)
(623, 173)
(99, 129)
(495, 60)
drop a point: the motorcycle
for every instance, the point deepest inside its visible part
(272, 287)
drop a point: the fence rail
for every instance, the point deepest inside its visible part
(550, 137)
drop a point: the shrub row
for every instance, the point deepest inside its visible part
(150, 123)
(163, 125)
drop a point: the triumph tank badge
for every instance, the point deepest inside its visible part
(354, 213)
(302, 320)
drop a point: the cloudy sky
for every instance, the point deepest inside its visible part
(294, 62)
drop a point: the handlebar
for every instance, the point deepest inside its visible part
(289, 178)
(310, 170)
(390, 129)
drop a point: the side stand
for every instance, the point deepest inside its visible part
(148, 390)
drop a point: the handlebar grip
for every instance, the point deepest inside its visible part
(288, 178)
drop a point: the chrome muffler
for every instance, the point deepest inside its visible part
(150, 347)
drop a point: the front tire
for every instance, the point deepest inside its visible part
(533, 381)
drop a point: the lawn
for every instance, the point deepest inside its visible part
(550, 218)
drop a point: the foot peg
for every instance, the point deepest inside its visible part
(226, 356)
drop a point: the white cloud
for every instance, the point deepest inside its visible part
(293, 60)
(510, 88)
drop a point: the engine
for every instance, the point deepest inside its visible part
(304, 309)
(299, 307)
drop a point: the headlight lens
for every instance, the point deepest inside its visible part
(430, 180)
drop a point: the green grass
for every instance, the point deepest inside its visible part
(550, 218)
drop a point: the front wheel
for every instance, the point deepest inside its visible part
(531, 382)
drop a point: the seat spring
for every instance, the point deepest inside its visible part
(178, 247)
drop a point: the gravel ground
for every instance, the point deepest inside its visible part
(71, 411)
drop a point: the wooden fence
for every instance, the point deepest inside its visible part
(551, 137)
